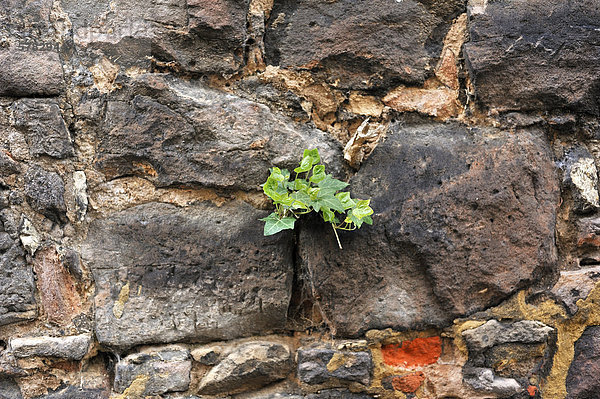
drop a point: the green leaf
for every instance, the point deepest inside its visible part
(329, 203)
(318, 174)
(362, 209)
(276, 174)
(328, 216)
(305, 165)
(303, 198)
(273, 224)
(357, 221)
(274, 189)
(345, 200)
(313, 154)
(300, 184)
(329, 183)
(368, 220)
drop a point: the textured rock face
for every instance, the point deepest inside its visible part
(528, 55)
(74, 347)
(199, 36)
(321, 365)
(249, 366)
(27, 73)
(17, 301)
(374, 43)
(495, 333)
(45, 192)
(202, 137)
(44, 127)
(159, 274)
(581, 381)
(163, 369)
(464, 220)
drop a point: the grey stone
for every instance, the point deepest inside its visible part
(73, 347)
(17, 302)
(375, 44)
(337, 394)
(582, 381)
(167, 370)
(463, 218)
(80, 194)
(574, 285)
(196, 36)
(207, 355)
(536, 55)
(190, 134)
(248, 366)
(44, 192)
(580, 176)
(204, 273)
(29, 236)
(494, 332)
(44, 127)
(8, 166)
(320, 365)
(76, 392)
(484, 380)
(30, 73)
(9, 388)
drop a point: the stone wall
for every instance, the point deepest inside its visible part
(134, 136)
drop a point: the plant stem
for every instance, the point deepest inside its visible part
(336, 236)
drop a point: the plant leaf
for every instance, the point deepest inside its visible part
(318, 174)
(329, 183)
(345, 200)
(362, 209)
(273, 224)
(313, 154)
(328, 215)
(305, 164)
(329, 203)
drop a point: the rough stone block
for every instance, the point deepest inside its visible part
(536, 54)
(44, 127)
(582, 381)
(320, 365)
(162, 369)
(204, 273)
(246, 367)
(202, 136)
(45, 192)
(463, 218)
(581, 177)
(495, 333)
(17, 302)
(30, 74)
(484, 380)
(72, 347)
(376, 43)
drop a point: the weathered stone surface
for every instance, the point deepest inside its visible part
(72, 347)
(375, 42)
(249, 366)
(44, 192)
(207, 355)
(319, 365)
(575, 285)
(168, 370)
(530, 55)
(337, 394)
(30, 73)
(202, 137)
(581, 178)
(582, 381)
(8, 166)
(17, 302)
(494, 333)
(166, 274)
(198, 36)
(462, 219)
(484, 380)
(56, 286)
(9, 389)
(76, 392)
(44, 127)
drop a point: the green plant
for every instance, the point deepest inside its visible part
(315, 191)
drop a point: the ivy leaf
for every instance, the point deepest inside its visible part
(345, 199)
(328, 215)
(368, 220)
(276, 174)
(329, 183)
(318, 174)
(305, 164)
(303, 198)
(300, 184)
(273, 224)
(313, 155)
(329, 203)
(362, 209)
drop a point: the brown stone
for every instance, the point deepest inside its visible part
(59, 297)
(30, 73)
